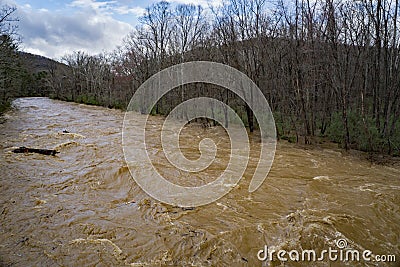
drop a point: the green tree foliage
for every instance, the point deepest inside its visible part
(8, 55)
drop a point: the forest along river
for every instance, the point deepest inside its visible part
(82, 208)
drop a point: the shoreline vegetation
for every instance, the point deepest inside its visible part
(319, 143)
(330, 70)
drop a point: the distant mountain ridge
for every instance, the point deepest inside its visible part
(37, 63)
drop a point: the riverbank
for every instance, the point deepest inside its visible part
(372, 157)
(316, 144)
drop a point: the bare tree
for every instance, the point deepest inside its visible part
(9, 69)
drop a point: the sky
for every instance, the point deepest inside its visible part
(54, 28)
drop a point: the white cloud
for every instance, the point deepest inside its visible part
(123, 10)
(203, 3)
(109, 7)
(92, 4)
(89, 27)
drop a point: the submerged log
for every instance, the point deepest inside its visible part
(23, 149)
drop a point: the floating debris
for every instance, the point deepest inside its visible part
(23, 149)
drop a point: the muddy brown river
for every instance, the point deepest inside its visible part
(83, 208)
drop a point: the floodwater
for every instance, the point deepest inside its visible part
(83, 208)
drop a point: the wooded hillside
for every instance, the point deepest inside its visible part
(329, 69)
